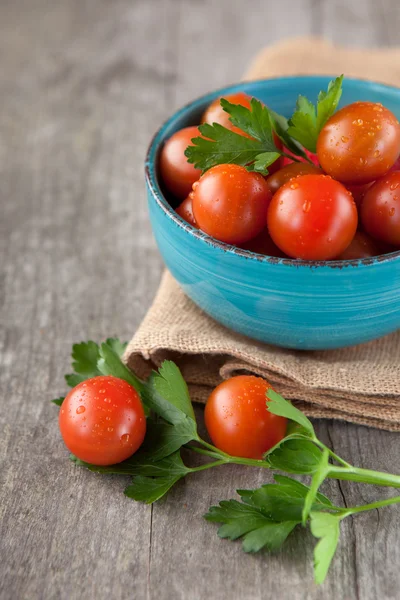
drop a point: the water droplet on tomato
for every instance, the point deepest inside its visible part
(394, 186)
(125, 438)
(81, 409)
(392, 211)
(306, 206)
(358, 122)
(294, 186)
(110, 429)
(345, 139)
(377, 153)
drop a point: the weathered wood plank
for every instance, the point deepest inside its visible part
(83, 84)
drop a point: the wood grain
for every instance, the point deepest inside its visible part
(83, 85)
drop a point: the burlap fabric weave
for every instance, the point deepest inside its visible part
(359, 384)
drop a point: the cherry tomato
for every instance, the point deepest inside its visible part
(262, 244)
(177, 173)
(238, 421)
(230, 203)
(312, 217)
(102, 420)
(279, 178)
(359, 143)
(216, 114)
(358, 192)
(361, 246)
(185, 210)
(380, 211)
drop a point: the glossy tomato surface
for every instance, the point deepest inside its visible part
(312, 217)
(380, 211)
(102, 420)
(216, 114)
(230, 203)
(237, 418)
(359, 143)
(185, 210)
(177, 173)
(279, 178)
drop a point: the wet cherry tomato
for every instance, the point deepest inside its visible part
(262, 244)
(380, 211)
(279, 178)
(185, 210)
(230, 203)
(312, 217)
(359, 143)
(358, 192)
(361, 246)
(102, 420)
(177, 173)
(237, 418)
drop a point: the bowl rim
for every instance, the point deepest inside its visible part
(162, 202)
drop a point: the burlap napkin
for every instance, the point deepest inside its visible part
(359, 384)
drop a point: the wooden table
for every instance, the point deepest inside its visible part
(83, 85)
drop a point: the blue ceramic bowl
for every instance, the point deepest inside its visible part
(289, 303)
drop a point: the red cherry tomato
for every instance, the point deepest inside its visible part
(262, 244)
(359, 143)
(216, 114)
(380, 211)
(279, 178)
(358, 192)
(361, 246)
(102, 420)
(177, 173)
(237, 418)
(230, 203)
(312, 217)
(185, 210)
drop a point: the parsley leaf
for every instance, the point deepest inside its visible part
(149, 489)
(299, 456)
(316, 481)
(324, 526)
(257, 529)
(281, 407)
(220, 145)
(169, 383)
(308, 120)
(281, 126)
(110, 363)
(58, 401)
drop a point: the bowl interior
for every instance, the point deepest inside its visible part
(279, 94)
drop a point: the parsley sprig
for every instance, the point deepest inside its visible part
(264, 517)
(257, 150)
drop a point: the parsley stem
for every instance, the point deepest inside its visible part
(332, 454)
(371, 506)
(364, 476)
(213, 448)
(209, 465)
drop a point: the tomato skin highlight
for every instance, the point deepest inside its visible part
(102, 420)
(230, 203)
(359, 143)
(177, 173)
(185, 210)
(380, 211)
(294, 169)
(238, 421)
(312, 217)
(361, 246)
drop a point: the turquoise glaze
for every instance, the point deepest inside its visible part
(289, 303)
